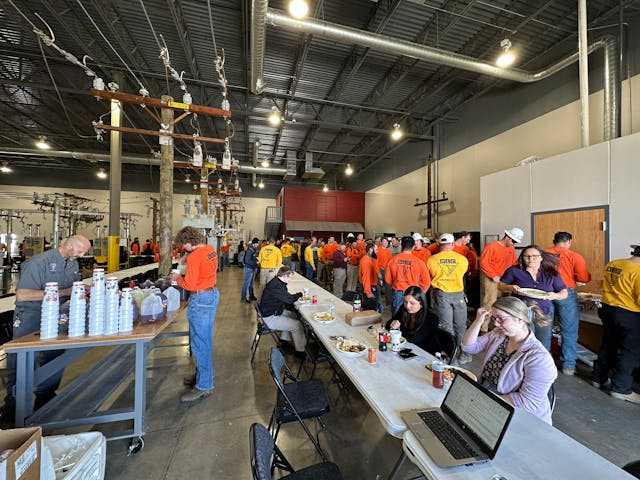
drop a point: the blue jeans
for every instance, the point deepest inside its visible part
(398, 298)
(308, 270)
(247, 285)
(295, 265)
(544, 333)
(376, 293)
(201, 312)
(569, 319)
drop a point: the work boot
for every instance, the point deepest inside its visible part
(195, 394)
(632, 397)
(189, 380)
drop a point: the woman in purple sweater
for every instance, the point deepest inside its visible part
(516, 365)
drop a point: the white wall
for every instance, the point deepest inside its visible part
(459, 174)
(131, 202)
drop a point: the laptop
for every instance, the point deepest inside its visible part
(467, 428)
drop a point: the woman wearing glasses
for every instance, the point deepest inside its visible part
(515, 365)
(536, 269)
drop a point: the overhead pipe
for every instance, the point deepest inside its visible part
(131, 159)
(395, 46)
(583, 70)
(258, 38)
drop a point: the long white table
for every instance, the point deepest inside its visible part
(530, 450)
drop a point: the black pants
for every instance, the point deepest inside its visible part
(620, 351)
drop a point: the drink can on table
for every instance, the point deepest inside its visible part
(372, 355)
(314, 299)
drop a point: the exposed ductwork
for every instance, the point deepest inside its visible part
(258, 36)
(395, 46)
(132, 159)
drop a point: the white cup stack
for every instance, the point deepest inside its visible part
(111, 307)
(126, 311)
(77, 310)
(50, 312)
(97, 303)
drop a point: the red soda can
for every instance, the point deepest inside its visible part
(314, 299)
(372, 355)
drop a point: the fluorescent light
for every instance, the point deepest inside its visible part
(274, 116)
(42, 144)
(5, 168)
(187, 178)
(507, 57)
(348, 170)
(325, 188)
(298, 8)
(261, 184)
(396, 133)
(101, 174)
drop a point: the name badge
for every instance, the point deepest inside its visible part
(53, 267)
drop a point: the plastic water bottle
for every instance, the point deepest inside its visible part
(332, 310)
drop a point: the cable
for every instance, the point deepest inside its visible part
(213, 35)
(150, 24)
(143, 90)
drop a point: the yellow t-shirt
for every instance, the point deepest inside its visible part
(621, 285)
(270, 257)
(287, 250)
(447, 270)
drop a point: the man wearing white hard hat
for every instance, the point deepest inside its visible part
(447, 269)
(418, 249)
(494, 260)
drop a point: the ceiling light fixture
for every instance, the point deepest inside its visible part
(396, 133)
(42, 144)
(187, 178)
(348, 170)
(507, 57)
(5, 168)
(265, 163)
(261, 184)
(101, 174)
(274, 116)
(325, 188)
(298, 8)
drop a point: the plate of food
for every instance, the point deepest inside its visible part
(304, 299)
(533, 293)
(351, 346)
(324, 317)
(450, 373)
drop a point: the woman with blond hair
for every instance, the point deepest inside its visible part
(516, 365)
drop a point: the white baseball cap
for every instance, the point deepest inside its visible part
(445, 238)
(416, 236)
(515, 234)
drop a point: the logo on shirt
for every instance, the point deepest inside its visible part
(53, 267)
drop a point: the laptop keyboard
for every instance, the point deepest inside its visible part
(454, 443)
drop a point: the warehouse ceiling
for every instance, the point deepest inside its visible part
(338, 101)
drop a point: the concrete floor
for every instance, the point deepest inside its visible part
(209, 439)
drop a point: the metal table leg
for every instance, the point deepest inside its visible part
(25, 365)
(140, 388)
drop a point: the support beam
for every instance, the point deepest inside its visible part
(166, 193)
(115, 182)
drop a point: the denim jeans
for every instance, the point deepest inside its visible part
(398, 298)
(569, 319)
(201, 312)
(295, 265)
(376, 293)
(247, 285)
(308, 270)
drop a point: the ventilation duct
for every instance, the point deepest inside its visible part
(291, 164)
(395, 46)
(258, 35)
(309, 170)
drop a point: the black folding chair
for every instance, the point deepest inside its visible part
(633, 468)
(315, 353)
(447, 344)
(266, 457)
(296, 400)
(261, 329)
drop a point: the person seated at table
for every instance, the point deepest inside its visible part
(417, 324)
(516, 365)
(275, 298)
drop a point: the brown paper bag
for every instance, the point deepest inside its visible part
(366, 317)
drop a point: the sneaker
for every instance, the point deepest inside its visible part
(606, 384)
(189, 380)
(570, 372)
(253, 299)
(195, 394)
(248, 301)
(632, 397)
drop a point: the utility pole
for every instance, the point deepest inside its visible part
(166, 189)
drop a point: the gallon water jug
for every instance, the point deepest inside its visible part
(153, 308)
(173, 297)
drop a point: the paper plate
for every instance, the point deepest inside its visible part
(533, 293)
(346, 346)
(324, 317)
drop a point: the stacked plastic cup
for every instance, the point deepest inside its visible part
(77, 310)
(111, 307)
(126, 311)
(50, 312)
(97, 303)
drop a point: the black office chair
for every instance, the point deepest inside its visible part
(266, 457)
(633, 468)
(296, 400)
(261, 329)
(447, 343)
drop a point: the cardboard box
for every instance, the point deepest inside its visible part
(365, 317)
(24, 461)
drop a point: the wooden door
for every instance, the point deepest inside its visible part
(589, 237)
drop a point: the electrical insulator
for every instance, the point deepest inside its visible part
(197, 155)
(186, 98)
(98, 84)
(226, 105)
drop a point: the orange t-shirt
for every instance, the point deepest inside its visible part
(470, 255)
(496, 258)
(328, 249)
(405, 270)
(572, 267)
(202, 267)
(355, 255)
(384, 255)
(434, 248)
(362, 247)
(422, 254)
(135, 248)
(368, 273)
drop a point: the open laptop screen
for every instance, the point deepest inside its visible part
(478, 412)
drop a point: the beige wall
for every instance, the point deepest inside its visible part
(389, 207)
(131, 202)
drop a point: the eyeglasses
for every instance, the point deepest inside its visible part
(527, 257)
(495, 319)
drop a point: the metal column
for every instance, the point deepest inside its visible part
(115, 180)
(166, 191)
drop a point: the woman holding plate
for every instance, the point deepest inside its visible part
(417, 324)
(536, 281)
